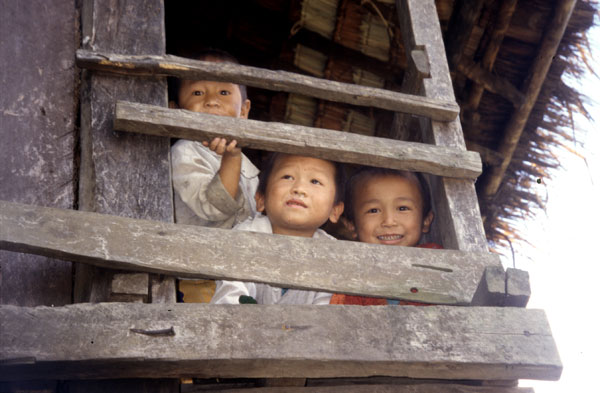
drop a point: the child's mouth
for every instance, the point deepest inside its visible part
(389, 238)
(295, 203)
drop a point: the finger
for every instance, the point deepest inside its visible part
(214, 144)
(221, 146)
(232, 145)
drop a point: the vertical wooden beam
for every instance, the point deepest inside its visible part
(457, 210)
(532, 86)
(121, 174)
(418, 68)
(37, 123)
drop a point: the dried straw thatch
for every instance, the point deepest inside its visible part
(492, 48)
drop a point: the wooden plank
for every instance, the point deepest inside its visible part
(261, 341)
(368, 388)
(295, 139)
(124, 386)
(434, 276)
(518, 290)
(153, 65)
(121, 174)
(37, 122)
(418, 69)
(458, 219)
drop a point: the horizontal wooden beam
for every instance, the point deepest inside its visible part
(333, 145)
(267, 79)
(433, 276)
(132, 340)
(366, 387)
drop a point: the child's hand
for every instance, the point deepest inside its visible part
(231, 163)
(222, 148)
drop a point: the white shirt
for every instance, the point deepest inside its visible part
(200, 197)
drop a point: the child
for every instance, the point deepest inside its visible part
(386, 206)
(298, 194)
(214, 182)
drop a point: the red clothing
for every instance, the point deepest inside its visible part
(340, 298)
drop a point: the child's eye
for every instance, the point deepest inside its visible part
(403, 208)
(315, 181)
(287, 177)
(373, 210)
(198, 93)
(225, 92)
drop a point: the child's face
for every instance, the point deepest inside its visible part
(217, 98)
(389, 210)
(300, 195)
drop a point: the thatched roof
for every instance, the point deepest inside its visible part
(495, 43)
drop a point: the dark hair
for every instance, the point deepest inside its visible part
(371, 172)
(218, 54)
(263, 178)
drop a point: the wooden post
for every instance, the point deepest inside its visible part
(121, 174)
(37, 122)
(458, 220)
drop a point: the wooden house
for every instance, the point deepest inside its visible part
(89, 244)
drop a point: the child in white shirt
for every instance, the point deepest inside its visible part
(297, 194)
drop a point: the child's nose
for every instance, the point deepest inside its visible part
(211, 99)
(388, 219)
(298, 188)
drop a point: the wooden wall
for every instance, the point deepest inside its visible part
(39, 134)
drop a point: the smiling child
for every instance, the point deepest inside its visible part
(390, 207)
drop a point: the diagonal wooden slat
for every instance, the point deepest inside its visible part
(295, 139)
(433, 276)
(169, 65)
(205, 341)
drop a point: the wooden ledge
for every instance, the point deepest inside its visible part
(115, 340)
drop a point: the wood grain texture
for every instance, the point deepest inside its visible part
(121, 174)
(368, 388)
(100, 340)
(458, 219)
(37, 123)
(152, 65)
(295, 139)
(438, 276)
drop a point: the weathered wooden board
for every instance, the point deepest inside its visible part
(434, 276)
(295, 139)
(273, 80)
(121, 174)
(366, 388)
(458, 220)
(37, 125)
(204, 341)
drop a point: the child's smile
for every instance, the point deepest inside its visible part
(388, 210)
